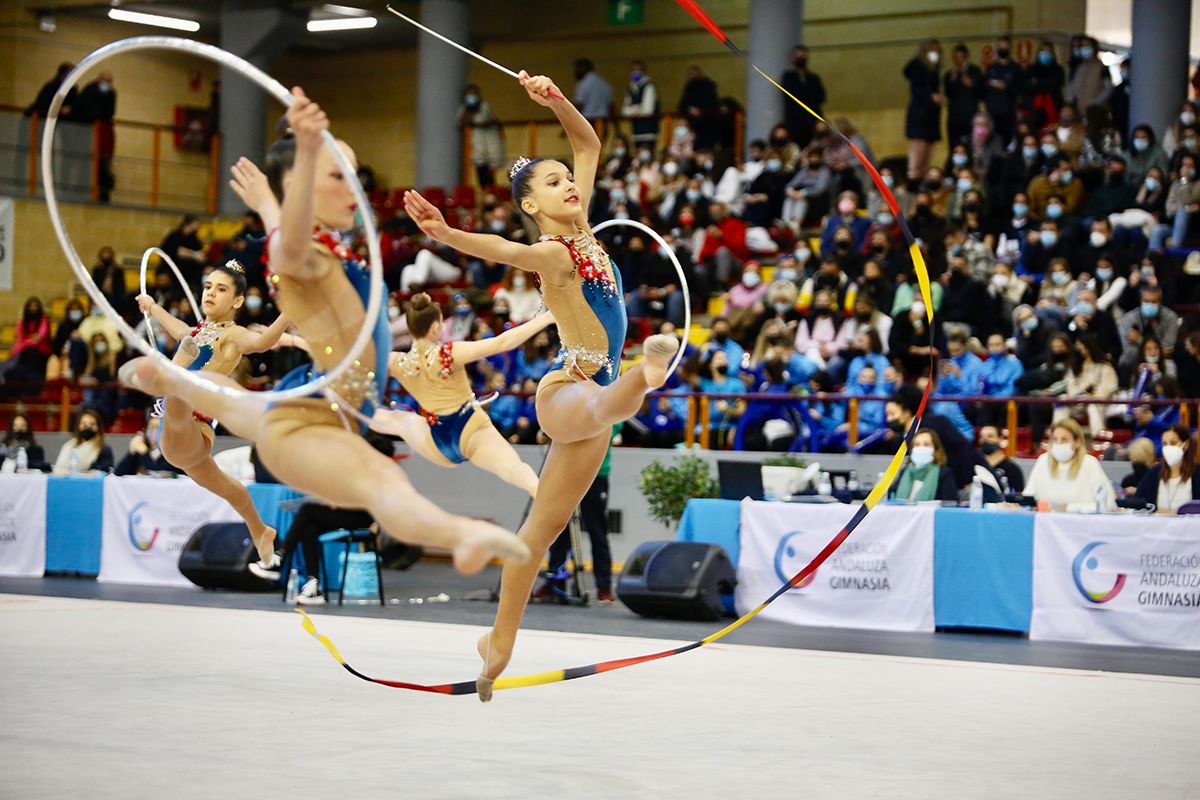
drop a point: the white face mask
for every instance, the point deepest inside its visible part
(1172, 454)
(922, 456)
(1062, 453)
(518, 281)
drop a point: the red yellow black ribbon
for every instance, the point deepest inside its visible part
(877, 494)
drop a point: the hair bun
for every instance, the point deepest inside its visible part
(420, 300)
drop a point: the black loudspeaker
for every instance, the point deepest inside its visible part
(217, 556)
(680, 580)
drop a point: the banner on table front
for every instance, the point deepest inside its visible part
(1110, 579)
(147, 522)
(23, 524)
(6, 243)
(880, 578)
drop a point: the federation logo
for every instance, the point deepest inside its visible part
(786, 566)
(1086, 561)
(138, 536)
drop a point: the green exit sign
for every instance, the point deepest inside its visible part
(624, 12)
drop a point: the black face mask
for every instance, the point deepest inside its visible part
(989, 448)
(1002, 53)
(721, 338)
(971, 207)
(896, 426)
(822, 311)
(801, 63)
(20, 436)
(722, 371)
(843, 245)
(87, 434)
(774, 340)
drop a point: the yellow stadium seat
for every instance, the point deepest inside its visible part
(698, 335)
(58, 308)
(716, 306)
(8, 335)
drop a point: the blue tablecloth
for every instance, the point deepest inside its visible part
(713, 522)
(75, 518)
(982, 569)
(982, 560)
(74, 523)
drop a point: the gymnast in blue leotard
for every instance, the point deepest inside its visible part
(580, 400)
(313, 444)
(450, 427)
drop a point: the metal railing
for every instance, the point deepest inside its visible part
(699, 405)
(143, 175)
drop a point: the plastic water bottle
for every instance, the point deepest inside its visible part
(825, 486)
(73, 463)
(22, 460)
(852, 482)
(976, 496)
(293, 586)
(1101, 496)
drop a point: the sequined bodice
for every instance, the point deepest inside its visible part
(218, 351)
(429, 375)
(589, 309)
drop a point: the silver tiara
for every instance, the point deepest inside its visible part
(233, 265)
(517, 166)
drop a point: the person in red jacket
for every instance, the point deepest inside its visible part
(27, 361)
(724, 247)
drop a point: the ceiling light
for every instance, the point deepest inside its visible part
(46, 23)
(346, 24)
(346, 11)
(174, 23)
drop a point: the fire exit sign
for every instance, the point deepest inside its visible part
(625, 12)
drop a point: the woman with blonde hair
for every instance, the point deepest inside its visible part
(1067, 477)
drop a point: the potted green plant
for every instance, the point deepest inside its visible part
(667, 488)
(783, 475)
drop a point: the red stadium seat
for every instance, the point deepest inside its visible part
(435, 195)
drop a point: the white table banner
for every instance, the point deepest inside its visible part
(23, 524)
(1114, 579)
(147, 522)
(880, 578)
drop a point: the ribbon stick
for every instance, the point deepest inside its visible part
(877, 494)
(466, 50)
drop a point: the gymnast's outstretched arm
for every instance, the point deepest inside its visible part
(292, 252)
(467, 352)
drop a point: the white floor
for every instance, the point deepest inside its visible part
(119, 700)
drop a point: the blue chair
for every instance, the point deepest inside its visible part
(348, 538)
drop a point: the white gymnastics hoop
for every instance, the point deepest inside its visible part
(178, 276)
(670, 251)
(279, 93)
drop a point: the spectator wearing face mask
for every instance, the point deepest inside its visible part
(1044, 81)
(1015, 233)
(1182, 208)
(1071, 136)
(740, 301)
(764, 201)
(722, 341)
(807, 193)
(866, 317)
(1084, 317)
(1005, 293)
(145, 456)
(922, 122)
(641, 105)
(1089, 375)
(1149, 320)
(845, 216)
(964, 295)
(69, 355)
(86, 450)
(963, 89)
(1149, 206)
(868, 347)
(817, 336)
(910, 341)
(1142, 456)
(779, 306)
(1108, 286)
(1144, 153)
(806, 86)
(31, 352)
(1174, 135)
(1061, 182)
(1002, 86)
(699, 103)
(1033, 335)
(874, 284)
(774, 343)
(20, 437)
(487, 139)
(1114, 195)
(1057, 288)
(101, 369)
(1042, 247)
(723, 248)
(682, 144)
(1067, 477)
(655, 291)
(1091, 85)
(1175, 480)
(998, 377)
(720, 377)
(1008, 474)
(927, 475)
(875, 200)
(522, 299)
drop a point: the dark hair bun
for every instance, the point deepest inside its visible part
(420, 300)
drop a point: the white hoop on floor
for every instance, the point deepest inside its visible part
(670, 251)
(280, 93)
(187, 290)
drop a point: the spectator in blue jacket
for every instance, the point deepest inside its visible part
(724, 413)
(845, 215)
(999, 376)
(1149, 426)
(870, 345)
(722, 341)
(869, 383)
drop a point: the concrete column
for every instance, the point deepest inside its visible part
(441, 76)
(260, 35)
(775, 28)
(1159, 72)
